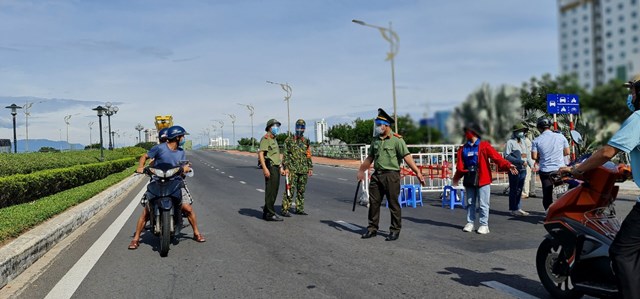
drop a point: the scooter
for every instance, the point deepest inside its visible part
(164, 194)
(573, 259)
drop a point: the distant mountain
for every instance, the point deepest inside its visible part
(36, 144)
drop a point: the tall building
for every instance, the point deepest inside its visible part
(321, 131)
(599, 40)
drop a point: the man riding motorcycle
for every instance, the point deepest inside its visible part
(625, 249)
(171, 153)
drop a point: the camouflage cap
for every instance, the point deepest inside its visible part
(301, 122)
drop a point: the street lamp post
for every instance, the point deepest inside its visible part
(90, 129)
(139, 128)
(100, 110)
(233, 126)
(392, 37)
(251, 110)
(13, 108)
(221, 132)
(287, 90)
(110, 110)
(66, 121)
(113, 137)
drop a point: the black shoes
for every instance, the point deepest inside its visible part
(285, 214)
(393, 236)
(270, 217)
(301, 213)
(369, 234)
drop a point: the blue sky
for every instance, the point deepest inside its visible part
(196, 60)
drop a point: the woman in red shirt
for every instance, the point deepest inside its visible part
(473, 164)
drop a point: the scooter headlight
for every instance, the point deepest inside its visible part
(164, 174)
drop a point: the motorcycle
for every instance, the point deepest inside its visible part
(164, 195)
(573, 259)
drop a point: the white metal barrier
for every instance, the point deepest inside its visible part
(437, 164)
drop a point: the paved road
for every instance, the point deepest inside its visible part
(316, 256)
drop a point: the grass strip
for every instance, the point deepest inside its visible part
(15, 220)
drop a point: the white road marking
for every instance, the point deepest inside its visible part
(348, 225)
(342, 179)
(222, 172)
(508, 290)
(74, 277)
(230, 176)
(260, 190)
(243, 182)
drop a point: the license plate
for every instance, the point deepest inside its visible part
(559, 190)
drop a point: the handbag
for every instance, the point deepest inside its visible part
(471, 177)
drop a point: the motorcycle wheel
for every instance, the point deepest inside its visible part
(165, 233)
(558, 286)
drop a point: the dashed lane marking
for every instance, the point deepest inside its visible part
(348, 225)
(243, 182)
(508, 290)
(260, 190)
(230, 176)
(342, 179)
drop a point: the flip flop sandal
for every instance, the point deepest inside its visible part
(199, 238)
(134, 244)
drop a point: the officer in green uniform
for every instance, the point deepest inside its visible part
(298, 167)
(269, 155)
(386, 153)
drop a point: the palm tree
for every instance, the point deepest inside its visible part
(495, 110)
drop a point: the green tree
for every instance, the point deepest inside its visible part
(48, 149)
(608, 101)
(247, 141)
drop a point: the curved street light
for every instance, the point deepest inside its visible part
(233, 126)
(251, 110)
(287, 90)
(392, 37)
(13, 108)
(90, 129)
(27, 113)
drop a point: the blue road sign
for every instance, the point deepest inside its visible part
(563, 103)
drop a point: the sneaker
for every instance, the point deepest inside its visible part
(468, 227)
(483, 229)
(521, 212)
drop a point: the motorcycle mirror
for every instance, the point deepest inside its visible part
(576, 136)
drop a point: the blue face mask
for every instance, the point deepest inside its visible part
(182, 141)
(275, 130)
(520, 135)
(630, 103)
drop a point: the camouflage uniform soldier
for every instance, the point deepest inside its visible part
(298, 167)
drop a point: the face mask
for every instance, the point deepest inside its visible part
(630, 103)
(520, 135)
(299, 132)
(275, 130)
(468, 135)
(379, 130)
(182, 141)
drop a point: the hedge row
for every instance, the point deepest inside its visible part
(25, 163)
(22, 188)
(17, 219)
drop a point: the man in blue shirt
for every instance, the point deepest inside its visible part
(625, 249)
(548, 150)
(169, 152)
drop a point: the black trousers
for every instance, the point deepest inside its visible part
(384, 184)
(547, 189)
(272, 184)
(625, 255)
